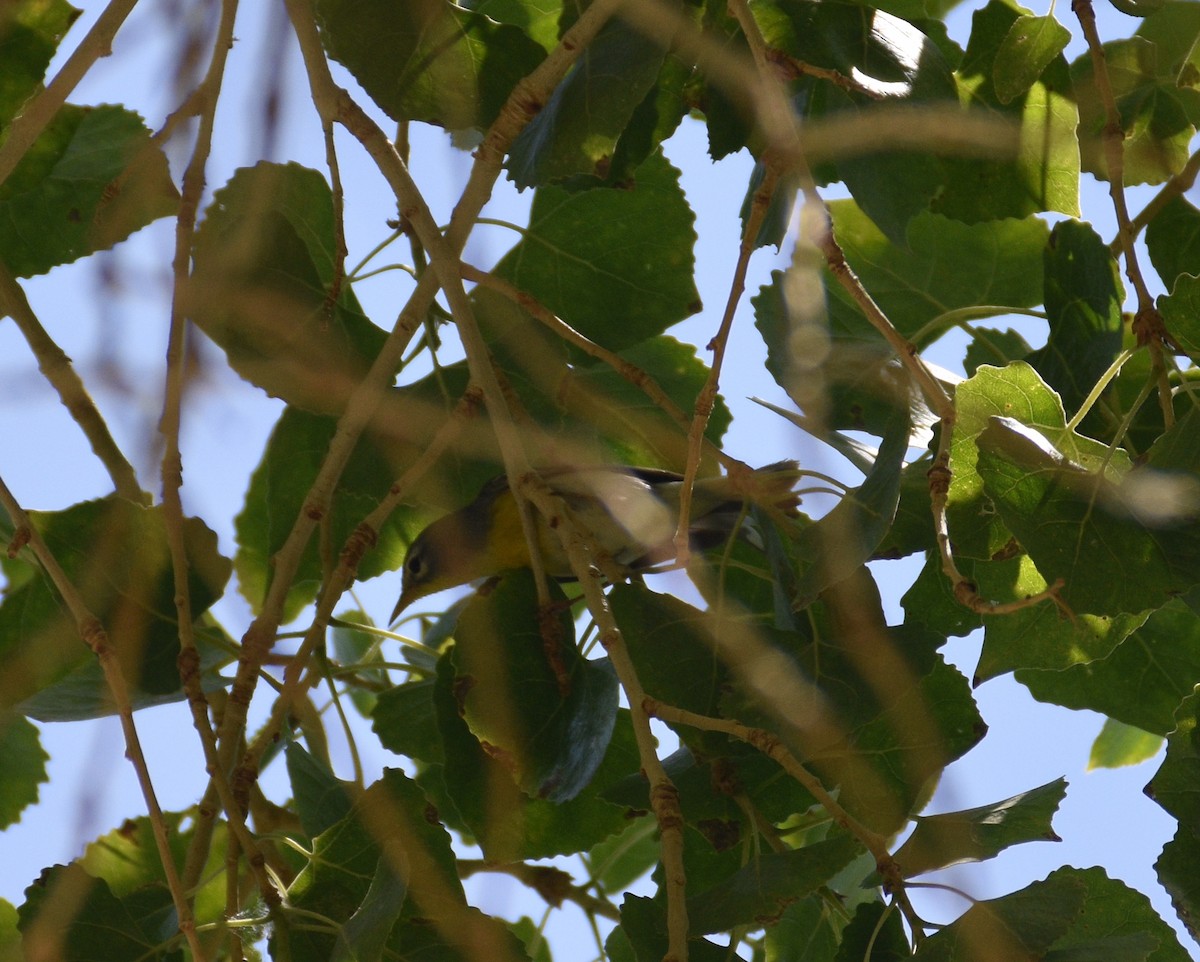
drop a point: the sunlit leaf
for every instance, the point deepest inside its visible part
(981, 833)
(1119, 744)
(22, 767)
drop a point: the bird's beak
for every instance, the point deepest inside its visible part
(406, 598)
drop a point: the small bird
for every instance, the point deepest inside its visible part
(631, 514)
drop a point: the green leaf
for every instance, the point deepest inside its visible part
(642, 936)
(262, 288)
(10, 936)
(365, 934)
(1021, 925)
(1119, 744)
(540, 709)
(1179, 312)
(1175, 785)
(117, 555)
(1117, 923)
(103, 927)
(1083, 306)
(391, 823)
(807, 931)
(429, 61)
(576, 132)
(1141, 682)
(947, 265)
(540, 19)
(977, 529)
(1176, 868)
(1027, 49)
(1044, 173)
(278, 488)
(30, 32)
(1158, 116)
(994, 347)
(759, 893)
(1081, 527)
(1173, 241)
(588, 257)
(360, 649)
(893, 64)
(90, 180)
(506, 823)
(976, 834)
(617, 862)
(847, 536)
(633, 428)
(321, 799)
(22, 767)
(875, 932)
(405, 720)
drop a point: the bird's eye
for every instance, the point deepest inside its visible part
(415, 566)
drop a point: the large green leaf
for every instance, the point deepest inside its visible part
(983, 832)
(541, 710)
(1175, 785)
(265, 266)
(22, 767)
(1173, 241)
(1080, 526)
(91, 179)
(30, 32)
(117, 556)
(1176, 868)
(1179, 312)
(893, 64)
(505, 822)
(1158, 114)
(1119, 745)
(759, 892)
(104, 928)
(577, 131)
(946, 265)
(1016, 391)
(428, 60)
(1142, 681)
(1022, 925)
(321, 798)
(1083, 306)
(1044, 173)
(1029, 47)
(589, 257)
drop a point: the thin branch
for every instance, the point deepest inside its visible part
(57, 369)
(1148, 325)
(205, 99)
(94, 635)
(664, 796)
(40, 109)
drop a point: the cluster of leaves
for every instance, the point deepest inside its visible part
(1064, 479)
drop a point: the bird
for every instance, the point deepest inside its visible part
(629, 512)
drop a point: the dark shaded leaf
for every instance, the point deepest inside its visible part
(265, 271)
(321, 798)
(1021, 925)
(22, 767)
(428, 60)
(976, 834)
(874, 932)
(1173, 241)
(577, 131)
(505, 822)
(1176, 784)
(1176, 868)
(1083, 305)
(103, 927)
(758, 894)
(116, 554)
(405, 720)
(533, 703)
